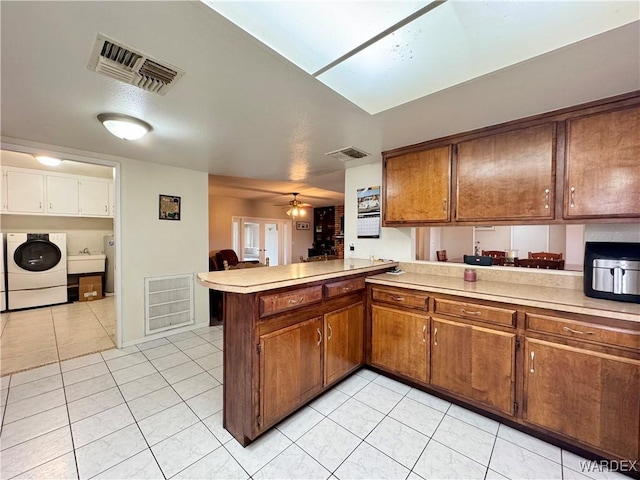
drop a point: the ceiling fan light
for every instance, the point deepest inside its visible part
(124, 126)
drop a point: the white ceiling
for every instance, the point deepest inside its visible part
(241, 109)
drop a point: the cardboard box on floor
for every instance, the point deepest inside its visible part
(90, 288)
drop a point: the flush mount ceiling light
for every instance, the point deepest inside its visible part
(124, 126)
(48, 161)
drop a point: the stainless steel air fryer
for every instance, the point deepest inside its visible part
(612, 271)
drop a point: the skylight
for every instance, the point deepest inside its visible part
(382, 54)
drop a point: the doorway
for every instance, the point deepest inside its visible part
(259, 239)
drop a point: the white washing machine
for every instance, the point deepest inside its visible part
(36, 269)
(3, 277)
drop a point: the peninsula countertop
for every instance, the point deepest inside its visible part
(561, 299)
(252, 280)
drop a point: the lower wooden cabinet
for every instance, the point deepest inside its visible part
(474, 362)
(290, 368)
(590, 396)
(399, 342)
(344, 342)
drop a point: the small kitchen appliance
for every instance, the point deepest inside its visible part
(612, 271)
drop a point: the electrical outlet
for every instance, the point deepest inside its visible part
(352, 246)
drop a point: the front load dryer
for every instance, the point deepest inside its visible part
(36, 269)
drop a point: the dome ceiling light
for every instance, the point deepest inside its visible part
(48, 161)
(124, 126)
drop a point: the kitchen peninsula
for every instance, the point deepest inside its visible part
(290, 332)
(519, 346)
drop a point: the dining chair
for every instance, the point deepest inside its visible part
(494, 253)
(539, 263)
(546, 255)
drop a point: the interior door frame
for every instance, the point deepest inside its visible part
(284, 237)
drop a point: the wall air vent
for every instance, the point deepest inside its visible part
(347, 153)
(168, 302)
(128, 65)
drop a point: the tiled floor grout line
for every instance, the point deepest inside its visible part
(292, 442)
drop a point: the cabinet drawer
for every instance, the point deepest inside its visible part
(280, 302)
(582, 331)
(335, 289)
(473, 311)
(408, 298)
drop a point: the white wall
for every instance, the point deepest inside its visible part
(149, 246)
(153, 247)
(394, 243)
(628, 232)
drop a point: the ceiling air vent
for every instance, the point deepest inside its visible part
(130, 66)
(347, 153)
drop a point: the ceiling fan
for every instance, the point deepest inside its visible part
(296, 207)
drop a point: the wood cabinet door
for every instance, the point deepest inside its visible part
(475, 362)
(399, 342)
(94, 198)
(507, 176)
(290, 369)
(62, 195)
(25, 192)
(603, 165)
(343, 346)
(416, 187)
(590, 396)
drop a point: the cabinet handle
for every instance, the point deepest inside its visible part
(424, 337)
(294, 301)
(470, 313)
(40, 203)
(346, 289)
(319, 336)
(531, 367)
(330, 331)
(572, 202)
(444, 205)
(567, 329)
(397, 298)
(546, 198)
(106, 209)
(50, 206)
(435, 336)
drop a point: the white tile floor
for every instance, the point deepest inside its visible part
(155, 411)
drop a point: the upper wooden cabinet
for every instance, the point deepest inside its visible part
(416, 187)
(508, 176)
(578, 163)
(603, 165)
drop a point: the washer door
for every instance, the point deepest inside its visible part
(37, 255)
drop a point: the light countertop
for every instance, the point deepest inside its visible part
(253, 280)
(562, 299)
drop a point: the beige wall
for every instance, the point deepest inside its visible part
(153, 247)
(222, 209)
(81, 232)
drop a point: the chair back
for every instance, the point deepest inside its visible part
(546, 255)
(441, 255)
(494, 253)
(229, 256)
(539, 263)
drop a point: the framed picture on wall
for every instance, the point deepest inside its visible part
(169, 207)
(303, 226)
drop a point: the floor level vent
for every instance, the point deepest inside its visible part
(168, 302)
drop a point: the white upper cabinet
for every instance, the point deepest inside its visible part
(94, 198)
(34, 192)
(25, 192)
(62, 195)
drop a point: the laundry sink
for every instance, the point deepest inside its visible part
(85, 262)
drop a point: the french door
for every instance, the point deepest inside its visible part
(262, 238)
